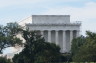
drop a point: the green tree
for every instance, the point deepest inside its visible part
(5, 60)
(37, 50)
(77, 43)
(12, 29)
(8, 35)
(87, 52)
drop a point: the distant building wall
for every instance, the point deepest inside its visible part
(41, 19)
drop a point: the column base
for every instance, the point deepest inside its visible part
(63, 51)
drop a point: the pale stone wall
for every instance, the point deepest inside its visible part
(25, 21)
(41, 19)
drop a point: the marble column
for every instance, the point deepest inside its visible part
(77, 34)
(49, 36)
(56, 37)
(64, 41)
(42, 33)
(71, 37)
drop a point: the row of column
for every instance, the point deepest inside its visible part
(57, 37)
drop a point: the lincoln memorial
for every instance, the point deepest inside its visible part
(55, 29)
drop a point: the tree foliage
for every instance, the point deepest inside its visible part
(5, 60)
(37, 50)
(8, 35)
(87, 52)
(77, 43)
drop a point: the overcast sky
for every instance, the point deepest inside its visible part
(79, 10)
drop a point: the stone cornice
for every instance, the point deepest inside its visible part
(59, 24)
(53, 15)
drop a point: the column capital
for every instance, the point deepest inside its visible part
(49, 30)
(64, 30)
(41, 30)
(78, 30)
(56, 30)
(71, 30)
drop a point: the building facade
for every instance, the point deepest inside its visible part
(55, 29)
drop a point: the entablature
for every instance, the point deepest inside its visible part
(59, 24)
(53, 27)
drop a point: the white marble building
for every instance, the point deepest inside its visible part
(55, 29)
